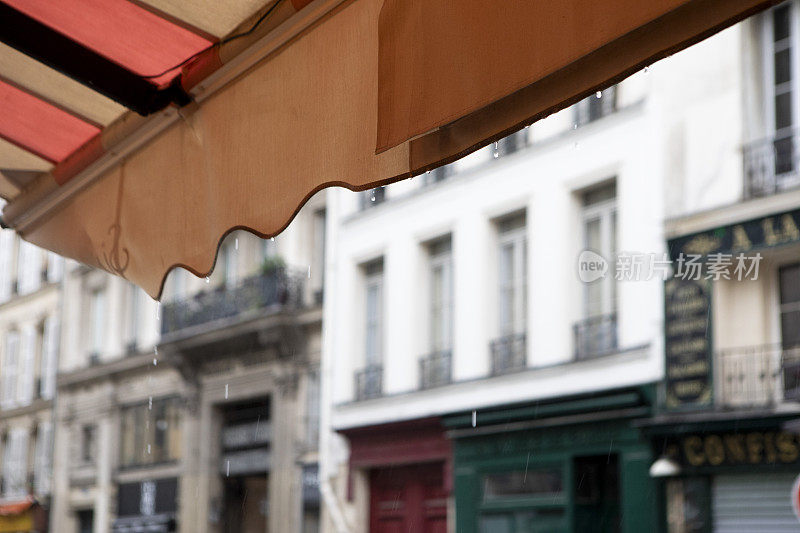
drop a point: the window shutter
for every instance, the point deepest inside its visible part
(10, 364)
(6, 253)
(15, 463)
(28, 354)
(55, 267)
(29, 273)
(43, 459)
(49, 357)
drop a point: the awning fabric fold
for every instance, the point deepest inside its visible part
(354, 93)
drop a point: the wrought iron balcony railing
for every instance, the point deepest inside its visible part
(369, 382)
(279, 289)
(435, 369)
(509, 354)
(757, 376)
(771, 165)
(595, 336)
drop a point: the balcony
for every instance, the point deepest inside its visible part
(595, 336)
(757, 376)
(369, 382)
(771, 165)
(435, 369)
(276, 290)
(509, 354)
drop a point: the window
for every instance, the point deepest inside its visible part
(599, 235)
(29, 267)
(441, 294)
(520, 484)
(151, 433)
(373, 197)
(15, 463)
(512, 275)
(97, 326)
(10, 369)
(6, 263)
(27, 369)
(596, 333)
(43, 463)
(49, 361)
(789, 285)
(781, 91)
(596, 106)
(318, 256)
(230, 265)
(88, 444)
(374, 313)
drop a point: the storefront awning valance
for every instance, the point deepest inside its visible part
(216, 116)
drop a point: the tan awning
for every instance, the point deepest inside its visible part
(289, 98)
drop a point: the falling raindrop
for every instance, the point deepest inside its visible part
(474, 418)
(150, 403)
(155, 349)
(155, 361)
(158, 310)
(599, 94)
(309, 271)
(495, 153)
(228, 469)
(372, 198)
(226, 391)
(272, 239)
(647, 69)
(575, 126)
(208, 280)
(148, 449)
(236, 243)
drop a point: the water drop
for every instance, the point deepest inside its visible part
(148, 449)
(575, 126)
(372, 198)
(150, 403)
(474, 418)
(155, 361)
(228, 469)
(309, 271)
(226, 391)
(236, 243)
(647, 69)
(208, 280)
(599, 94)
(495, 154)
(155, 349)
(158, 310)
(272, 239)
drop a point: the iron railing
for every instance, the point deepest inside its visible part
(509, 354)
(771, 165)
(435, 369)
(278, 289)
(595, 336)
(757, 376)
(369, 382)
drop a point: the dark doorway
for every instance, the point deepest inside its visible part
(246, 504)
(85, 521)
(409, 498)
(597, 502)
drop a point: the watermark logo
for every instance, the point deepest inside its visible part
(591, 266)
(635, 266)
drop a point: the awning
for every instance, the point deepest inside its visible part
(17, 516)
(135, 135)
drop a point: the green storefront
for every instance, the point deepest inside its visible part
(576, 464)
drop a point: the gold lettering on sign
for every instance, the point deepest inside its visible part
(715, 451)
(790, 231)
(735, 446)
(787, 448)
(740, 239)
(769, 232)
(754, 447)
(693, 449)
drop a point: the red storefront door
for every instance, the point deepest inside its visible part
(408, 499)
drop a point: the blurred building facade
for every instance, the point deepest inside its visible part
(476, 383)
(29, 332)
(199, 413)
(730, 405)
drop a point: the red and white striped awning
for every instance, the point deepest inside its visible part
(134, 134)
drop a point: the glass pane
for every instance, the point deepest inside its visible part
(790, 329)
(781, 23)
(790, 284)
(522, 483)
(497, 523)
(593, 236)
(783, 110)
(783, 66)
